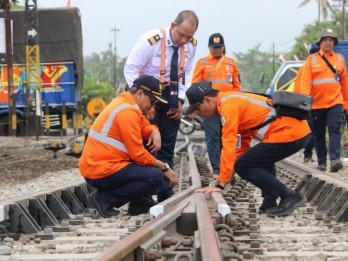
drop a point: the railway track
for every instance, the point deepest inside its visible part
(59, 225)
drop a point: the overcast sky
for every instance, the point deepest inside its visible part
(244, 24)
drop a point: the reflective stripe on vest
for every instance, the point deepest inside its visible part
(204, 61)
(217, 81)
(262, 131)
(103, 135)
(220, 81)
(325, 80)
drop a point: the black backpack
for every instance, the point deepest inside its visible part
(289, 104)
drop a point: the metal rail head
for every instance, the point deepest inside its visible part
(209, 242)
(195, 183)
(129, 244)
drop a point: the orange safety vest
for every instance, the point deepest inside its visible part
(240, 112)
(320, 82)
(222, 72)
(297, 83)
(116, 139)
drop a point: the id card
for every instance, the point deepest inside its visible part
(229, 77)
(239, 141)
(337, 76)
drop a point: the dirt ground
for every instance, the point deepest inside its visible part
(35, 157)
(26, 158)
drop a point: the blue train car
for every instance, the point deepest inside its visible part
(61, 67)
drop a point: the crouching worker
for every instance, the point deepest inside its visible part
(240, 113)
(114, 159)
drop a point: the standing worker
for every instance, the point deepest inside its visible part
(114, 159)
(167, 54)
(241, 115)
(222, 71)
(308, 150)
(325, 79)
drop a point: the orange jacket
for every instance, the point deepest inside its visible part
(320, 82)
(223, 78)
(116, 139)
(240, 112)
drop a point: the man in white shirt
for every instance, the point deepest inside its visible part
(173, 70)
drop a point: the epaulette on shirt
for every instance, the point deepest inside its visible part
(154, 39)
(194, 41)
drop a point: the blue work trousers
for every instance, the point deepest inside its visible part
(132, 182)
(308, 150)
(212, 129)
(169, 130)
(257, 165)
(332, 119)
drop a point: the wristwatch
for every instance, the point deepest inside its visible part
(218, 185)
(165, 167)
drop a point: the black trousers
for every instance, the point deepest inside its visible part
(257, 165)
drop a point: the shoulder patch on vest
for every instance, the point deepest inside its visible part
(154, 39)
(193, 41)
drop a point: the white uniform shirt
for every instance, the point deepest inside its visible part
(146, 58)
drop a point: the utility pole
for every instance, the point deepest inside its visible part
(342, 3)
(5, 5)
(273, 60)
(115, 29)
(343, 20)
(33, 65)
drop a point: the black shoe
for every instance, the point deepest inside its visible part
(163, 198)
(104, 208)
(308, 159)
(288, 204)
(321, 167)
(141, 206)
(336, 165)
(269, 203)
(216, 173)
(233, 181)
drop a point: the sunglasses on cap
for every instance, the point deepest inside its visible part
(153, 100)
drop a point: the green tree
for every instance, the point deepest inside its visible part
(120, 68)
(4, 3)
(323, 7)
(252, 65)
(310, 34)
(94, 88)
(101, 67)
(340, 19)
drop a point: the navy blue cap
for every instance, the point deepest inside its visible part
(196, 93)
(151, 85)
(216, 40)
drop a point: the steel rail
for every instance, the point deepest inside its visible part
(304, 170)
(126, 247)
(4, 205)
(180, 196)
(209, 242)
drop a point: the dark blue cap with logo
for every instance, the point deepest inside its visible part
(216, 40)
(151, 85)
(196, 93)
